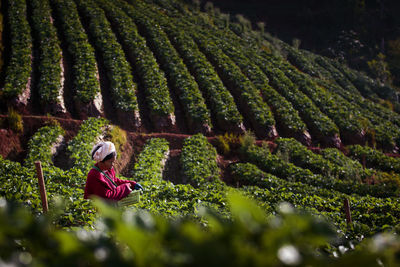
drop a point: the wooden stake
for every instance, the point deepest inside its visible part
(347, 210)
(42, 187)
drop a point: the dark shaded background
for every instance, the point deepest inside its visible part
(353, 31)
(319, 22)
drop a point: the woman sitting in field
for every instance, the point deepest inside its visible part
(101, 180)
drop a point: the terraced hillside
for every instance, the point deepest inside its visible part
(187, 89)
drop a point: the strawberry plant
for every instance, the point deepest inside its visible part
(84, 66)
(198, 159)
(50, 85)
(18, 71)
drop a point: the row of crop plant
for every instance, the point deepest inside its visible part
(333, 163)
(287, 118)
(249, 101)
(18, 71)
(380, 124)
(50, 69)
(155, 85)
(181, 81)
(217, 96)
(353, 125)
(85, 76)
(198, 163)
(119, 73)
(19, 181)
(348, 84)
(298, 186)
(369, 214)
(384, 133)
(280, 167)
(342, 113)
(321, 126)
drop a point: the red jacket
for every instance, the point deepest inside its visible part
(97, 184)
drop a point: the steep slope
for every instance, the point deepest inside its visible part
(177, 80)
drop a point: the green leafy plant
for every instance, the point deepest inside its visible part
(117, 136)
(199, 161)
(86, 84)
(18, 70)
(14, 121)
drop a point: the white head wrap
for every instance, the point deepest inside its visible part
(103, 149)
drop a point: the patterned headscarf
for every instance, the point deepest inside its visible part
(102, 150)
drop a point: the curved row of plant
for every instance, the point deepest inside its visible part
(151, 160)
(369, 214)
(179, 77)
(285, 114)
(50, 85)
(41, 145)
(199, 161)
(18, 70)
(341, 84)
(374, 158)
(275, 165)
(332, 163)
(19, 183)
(158, 98)
(122, 87)
(256, 77)
(383, 123)
(86, 86)
(340, 111)
(217, 95)
(319, 124)
(368, 123)
(247, 97)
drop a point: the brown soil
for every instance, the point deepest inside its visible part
(10, 145)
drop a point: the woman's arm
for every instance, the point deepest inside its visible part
(98, 185)
(120, 181)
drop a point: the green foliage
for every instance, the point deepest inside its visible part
(374, 158)
(229, 142)
(18, 71)
(282, 109)
(144, 239)
(319, 123)
(247, 140)
(199, 161)
(193, 103)
(270, 190)
(216, 94)
(207, 66)
(119, 71)
(151, 160)
(86, 84)
(41, 145)
(380, 69)
(49, 53)
(149, 72)
(14, 121)
(245, 93)
(263, 159)
(305, 158)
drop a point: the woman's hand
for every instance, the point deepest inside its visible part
(138, 187)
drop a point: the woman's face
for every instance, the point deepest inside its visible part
(108, 164)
